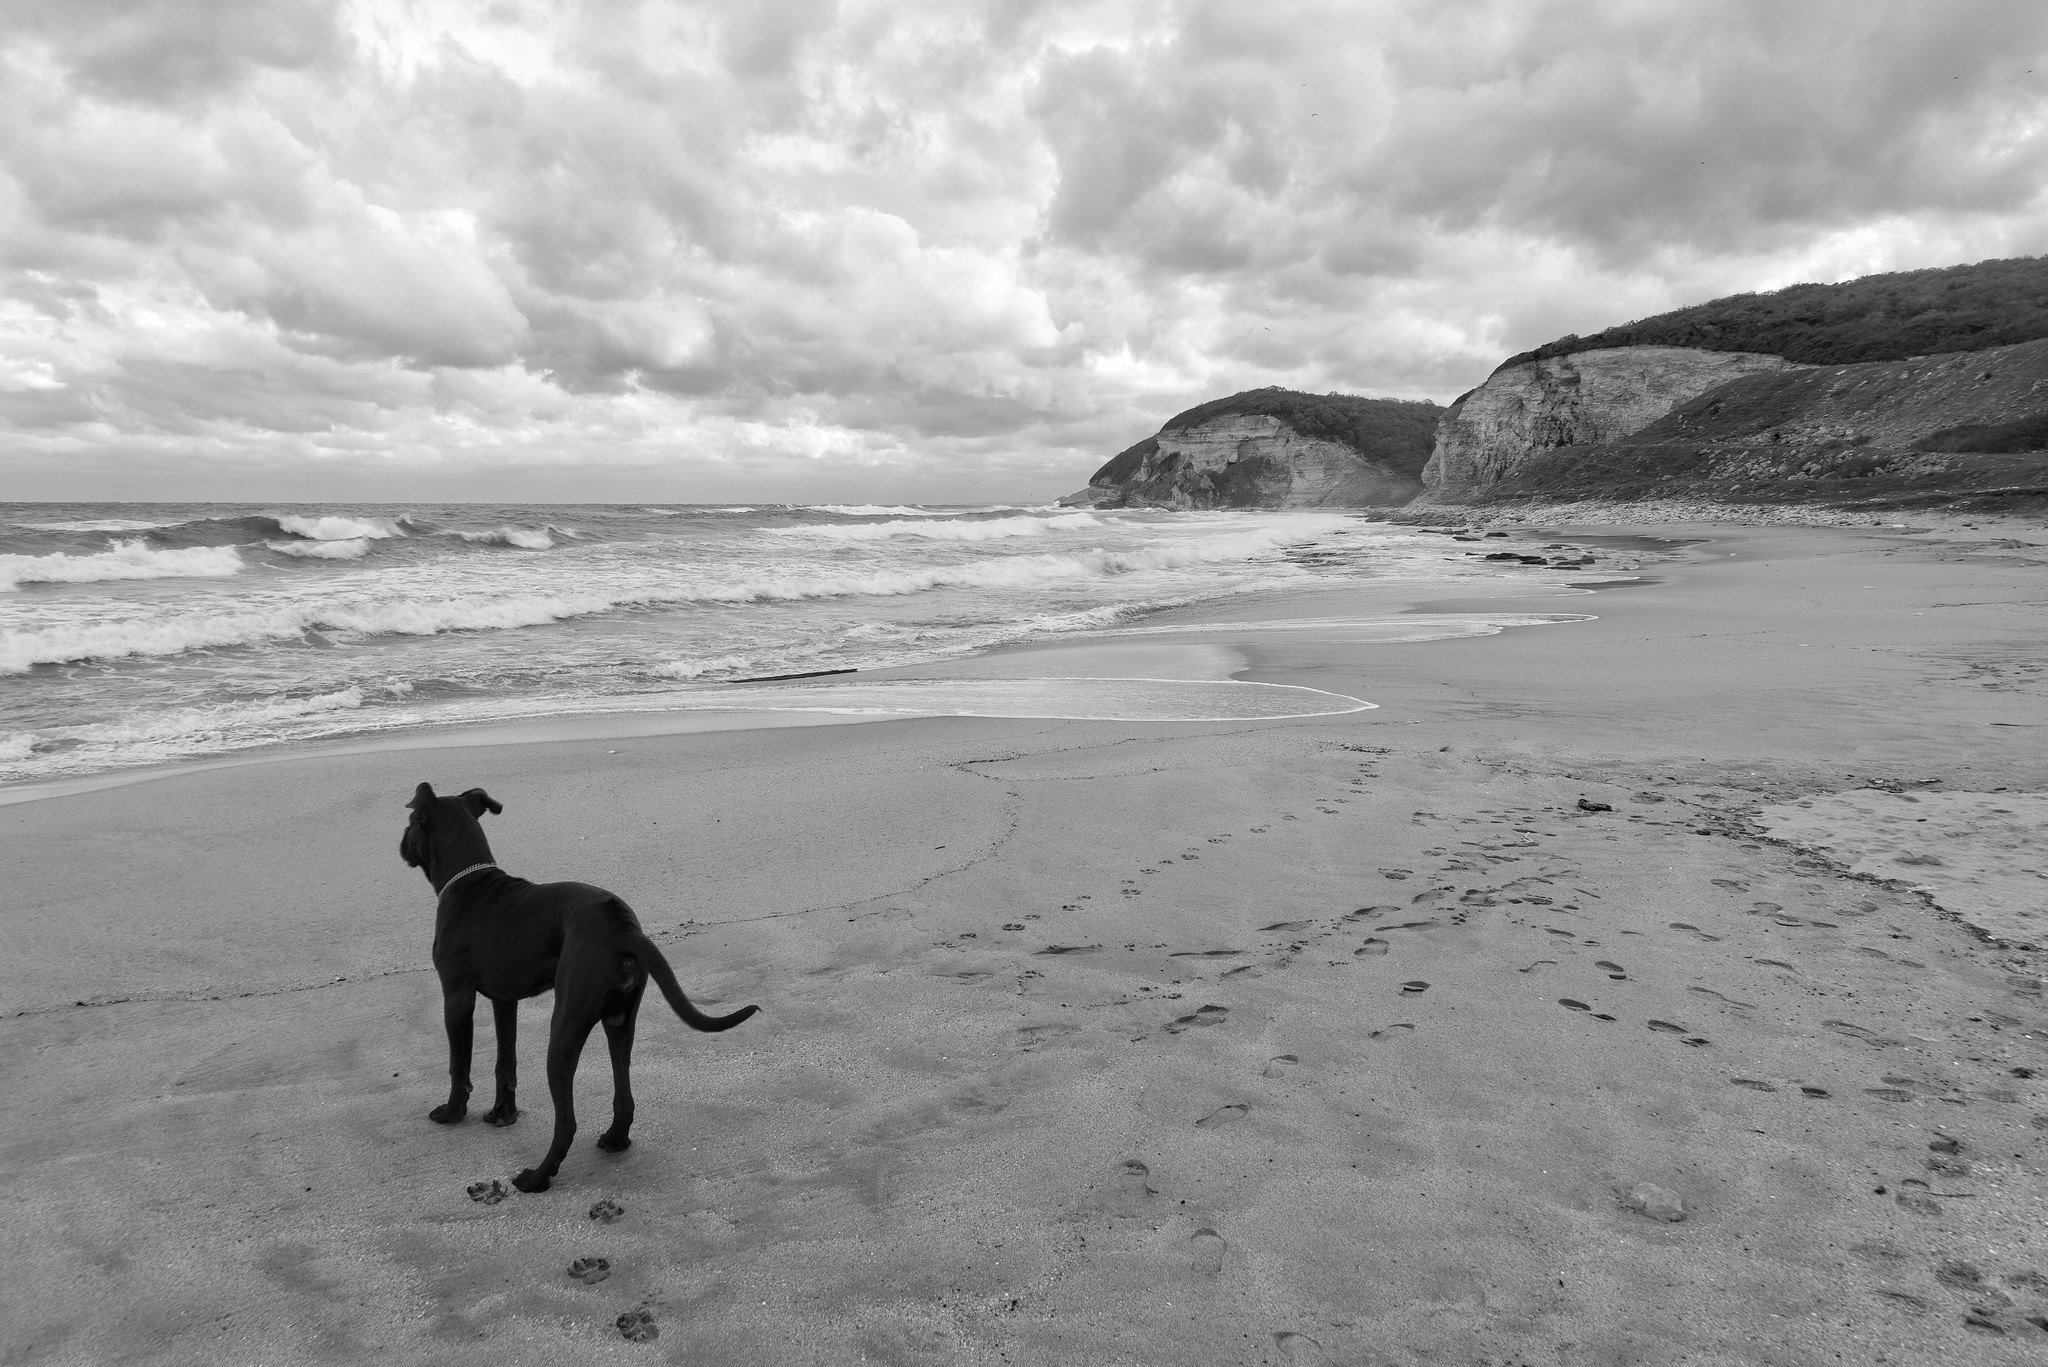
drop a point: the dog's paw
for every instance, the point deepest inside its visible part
(613, 1142)
(639, 1326)
(501, 1115)
(530, 1180)
(491, 1192)
(447, 1113)
(590, 1269)
(606, 1211)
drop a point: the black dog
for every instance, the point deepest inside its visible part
(509, 939)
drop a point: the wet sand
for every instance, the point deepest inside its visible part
(1394, 1036)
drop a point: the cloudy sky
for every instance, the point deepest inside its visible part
(938, 250)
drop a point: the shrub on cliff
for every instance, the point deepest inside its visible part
(1876, 318)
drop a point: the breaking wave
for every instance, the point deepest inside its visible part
(173, 634)
(333, 528)
(323, 550)
(525, 538)
(123, 560)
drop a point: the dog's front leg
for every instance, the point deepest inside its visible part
(458, 1008)
(506, 1014)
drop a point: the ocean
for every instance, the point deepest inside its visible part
(136, 634)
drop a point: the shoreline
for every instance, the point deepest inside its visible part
(627, 722)
(1379, 1037)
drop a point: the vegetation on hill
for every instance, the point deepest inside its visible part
(2028, 434)
(1394, 433)
(1877, 318)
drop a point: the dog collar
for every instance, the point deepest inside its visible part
(464, 874)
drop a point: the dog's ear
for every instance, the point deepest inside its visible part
(422, 797)
(478, 801)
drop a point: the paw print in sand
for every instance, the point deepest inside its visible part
(606, 1211)
(638, 1326)
(590, 1270)
(490, 1193)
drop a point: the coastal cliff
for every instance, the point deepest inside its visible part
(1583, 399)
(1920, 386)
(1274, 448)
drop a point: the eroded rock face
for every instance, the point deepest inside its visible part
(1244, 461)
(1588, 398)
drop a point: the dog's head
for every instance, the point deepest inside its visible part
(434, 819)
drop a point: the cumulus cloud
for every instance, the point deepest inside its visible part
(797, 248)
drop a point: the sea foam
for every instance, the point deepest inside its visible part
(332, 528)
(996, 529)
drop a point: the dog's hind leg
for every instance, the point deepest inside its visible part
(618, 1034)
(458, 1010)
(566, 1036)
(503, 1110)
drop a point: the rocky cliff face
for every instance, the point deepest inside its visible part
(1587, 398)
(1914, 431)
(1248, 461)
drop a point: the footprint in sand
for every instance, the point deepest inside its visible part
(1817, 1093)
(1731, 883)
(1687, 925)
(1207, 1015)
(1014, 925)
(1667, 1028)
(1614, 970)
(1206, 1252)
(1223, 1115)
(1281, 1066)
(490, 1193)
(1372, 948)
(1721, 997)
(1773, 963)
(1570, 1005)
(1068, 949)
(1299, 1350)
(1284, 925)
(1204, 953)
(1753, 1084)
(638, 1326)
(606, 1211)
(1414, 988)
(1133, 1181)
(1393, 1032)
(1540, 963)
(1766, 908)
(590, 1270)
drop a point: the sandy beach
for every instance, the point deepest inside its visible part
(1661, 988)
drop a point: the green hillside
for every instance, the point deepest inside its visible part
(1394, 433)
(1877, 318)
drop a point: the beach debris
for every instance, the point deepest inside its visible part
(1588, 805)
(1414, 988)
(490, 1193)
(606, 1211)
(638, 1326)
(1654, 1202)
(590, 1270)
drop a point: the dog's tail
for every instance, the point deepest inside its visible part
(665, 978)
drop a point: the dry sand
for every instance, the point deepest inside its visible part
(1348, 1039)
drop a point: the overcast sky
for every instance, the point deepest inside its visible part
(946, 251)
